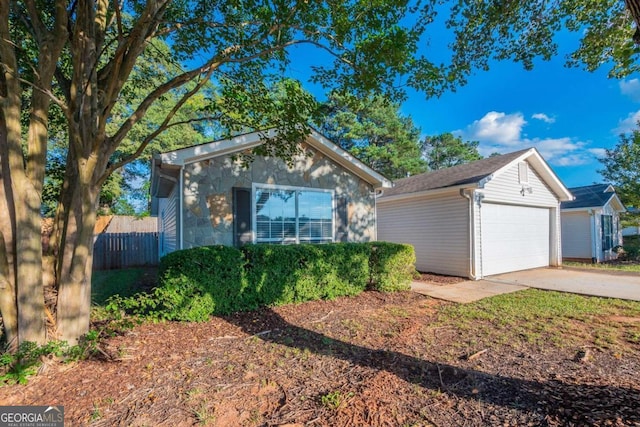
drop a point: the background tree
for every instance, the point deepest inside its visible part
(622, 168)
(374, 130)
(445, 150)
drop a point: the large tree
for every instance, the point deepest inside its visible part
(446, 150)
(375, 131)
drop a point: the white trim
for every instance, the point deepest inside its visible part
(426, 193)
(256, 185)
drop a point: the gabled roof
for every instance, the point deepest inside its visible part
(477, 174)
(164, 162)
(594, 196)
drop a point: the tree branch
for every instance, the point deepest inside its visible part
(163, 126)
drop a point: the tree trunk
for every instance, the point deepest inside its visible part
(76, 261)
(8, 302)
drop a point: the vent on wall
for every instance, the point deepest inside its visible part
(523, 172)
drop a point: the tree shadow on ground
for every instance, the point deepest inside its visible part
(565, 403)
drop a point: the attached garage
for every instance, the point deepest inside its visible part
(488, 217)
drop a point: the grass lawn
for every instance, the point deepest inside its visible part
(539, 317)
(106, 283)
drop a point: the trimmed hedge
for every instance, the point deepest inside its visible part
(296, 273)
(392, 266)
(196, 283)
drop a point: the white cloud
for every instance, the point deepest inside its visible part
(598, 152)
(503, 133)
(543, 117)
(562, 151)
(631, 89)
(500, 128)
(628, 124)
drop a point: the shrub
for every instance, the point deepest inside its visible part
(194, 283)
(392, 266)
(287, 274)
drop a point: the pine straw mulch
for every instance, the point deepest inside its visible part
(371, 360)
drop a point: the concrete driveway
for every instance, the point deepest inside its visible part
(603, 284)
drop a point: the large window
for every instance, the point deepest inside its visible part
(293, 215)
(607, 232)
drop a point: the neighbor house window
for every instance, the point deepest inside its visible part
(607, 232)
(293, 215)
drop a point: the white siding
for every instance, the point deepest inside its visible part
(576, 235)
(437, 227)
(168, 240)
(506, 188)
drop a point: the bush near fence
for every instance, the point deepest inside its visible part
(196, 283)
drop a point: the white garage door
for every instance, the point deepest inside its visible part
(513, 238)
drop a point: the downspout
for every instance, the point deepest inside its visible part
(472, 244)
(594, 238)
(376, 194)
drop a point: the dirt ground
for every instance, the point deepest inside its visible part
(372, 360)
(438, 279)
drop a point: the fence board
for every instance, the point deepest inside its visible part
(113, 251)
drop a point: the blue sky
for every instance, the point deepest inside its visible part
(568, 114)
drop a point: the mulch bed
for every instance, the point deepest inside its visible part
(438, 279)
(371, 360)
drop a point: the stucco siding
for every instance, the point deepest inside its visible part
(576, 235)
(506, 188)
(437, 228)
(208, 188)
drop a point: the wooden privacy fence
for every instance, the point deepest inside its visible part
(112, 251)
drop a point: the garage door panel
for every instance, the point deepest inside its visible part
(513, 238)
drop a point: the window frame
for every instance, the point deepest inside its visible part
(254, 214)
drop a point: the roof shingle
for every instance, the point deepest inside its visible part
(450, 177)
(588, 196)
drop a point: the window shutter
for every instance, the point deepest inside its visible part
(342, 229)
(242, 216)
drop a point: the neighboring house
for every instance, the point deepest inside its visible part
(591, 224)
(203, 196)
(490, 216)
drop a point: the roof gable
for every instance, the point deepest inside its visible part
(183, 156)
(594, 196)
(477, 174)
